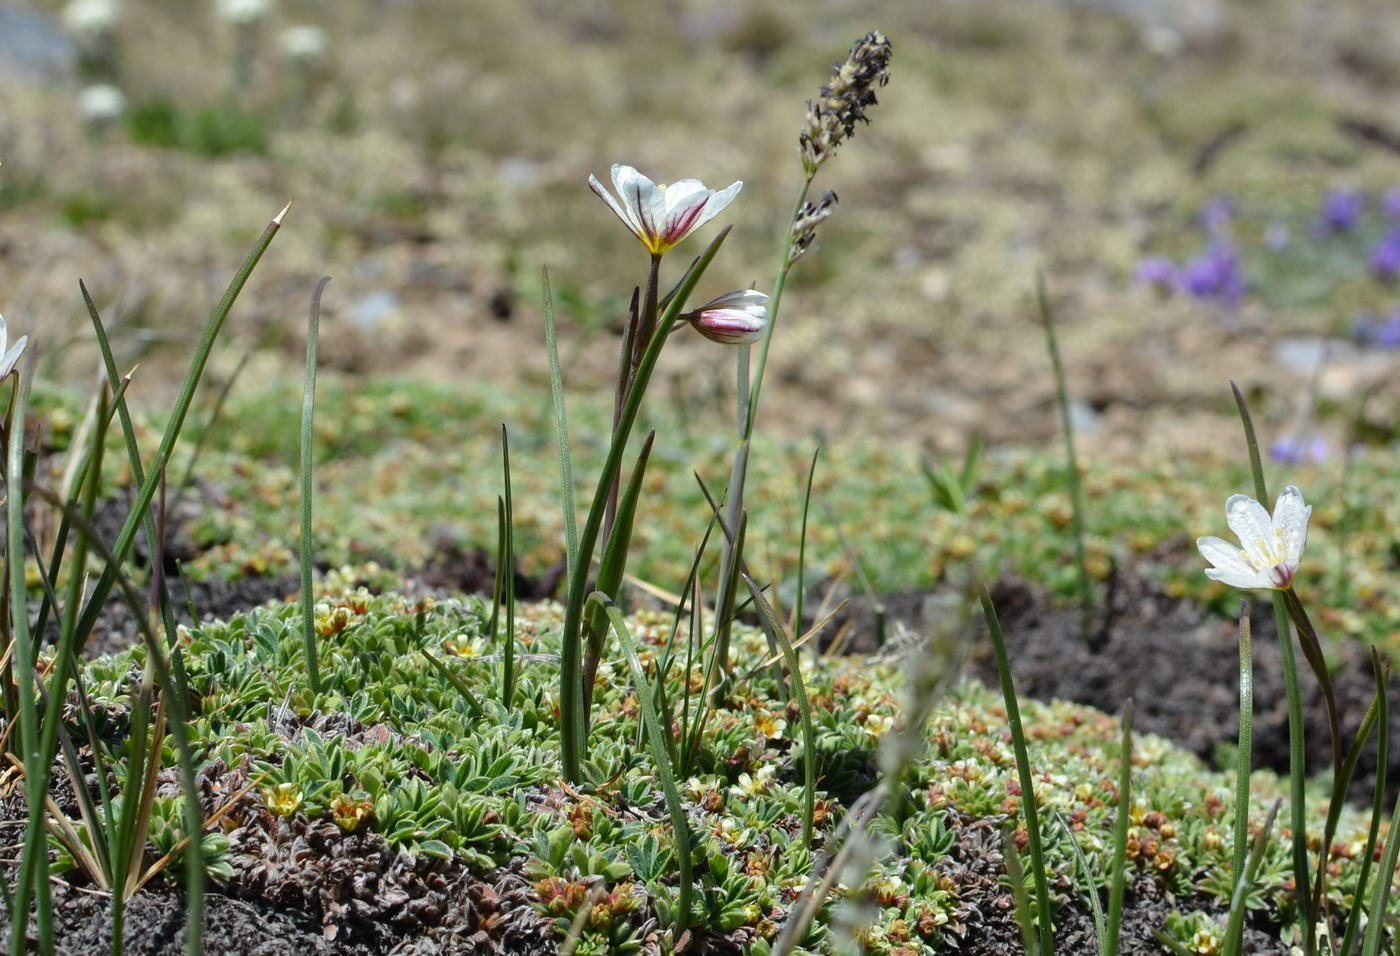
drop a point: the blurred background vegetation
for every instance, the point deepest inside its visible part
(437, 153)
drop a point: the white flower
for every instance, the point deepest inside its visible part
(303, 42)
(12, 356)
(659, 215)
(244, 11)
(90, 16)
(735, 318)
(101, 103)
(1272, 547)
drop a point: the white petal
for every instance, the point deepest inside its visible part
(640, 196)
(1236, 579)
(683, 219)
(716, 204)
(682, 191)
(1253, 526)
(12, 356)
(607, 197)
(743, 299)
(4, 334)
(1224, 555)
(732, 326)
(1291, 523)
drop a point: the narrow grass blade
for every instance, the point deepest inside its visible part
(968, 475)
(1234, 927)
(508, 581)
(561, 430)
(769, 619)
(1091, 886)
(493, 626)
(802, 552)
(731, 558)
(175, 697)
(775, 301)
(1076, 490)
(1244, 752)
(1297, 753)
(1381, 672)
(202, 439)
(141, 513)
(122, 546)
(456, 682)
(1023, 772)
(1380, 896)
(659, 755)
(613, 567)
(573, 744)
(308, 487)
(1312, 653)
(34, 861)
(1119, 880)
(1020, 899)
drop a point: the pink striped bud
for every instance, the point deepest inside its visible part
(735, 318)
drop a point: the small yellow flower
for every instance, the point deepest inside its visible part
(283, 799)
(349, 813)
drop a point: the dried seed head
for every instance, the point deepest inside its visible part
(832, 116)
(804, 227)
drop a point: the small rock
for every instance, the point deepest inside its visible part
(372, 310)
(32, 47)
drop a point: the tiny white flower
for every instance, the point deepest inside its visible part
(735, 318)
(660, 215)
(304, 42)
(244, 11)
(90, 16)
(12, 356)
(1272, 548)
(101, 103)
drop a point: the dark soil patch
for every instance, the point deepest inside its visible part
(976, 866)
(1178, 661)
(214, 599)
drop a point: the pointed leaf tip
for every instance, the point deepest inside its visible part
(277, 219)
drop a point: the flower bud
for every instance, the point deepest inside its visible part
(736, 318)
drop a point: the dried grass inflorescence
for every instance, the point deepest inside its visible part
(809, 217)
(832, 116)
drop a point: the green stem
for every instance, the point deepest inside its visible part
(35, 855)
(1297, 752)
(573, 742)
(1023, 773)
(1244, 753)
(308, 435)
(1120, 833)
(1076, 490)
(775, 301)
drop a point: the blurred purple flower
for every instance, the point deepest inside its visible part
(1216, 214)
(1156, 271)
(1340, 211)
(1391, 203)
(1296, 451)
(1215, 274)
(1385, 257)
(1276, 236)
(1379, 333)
